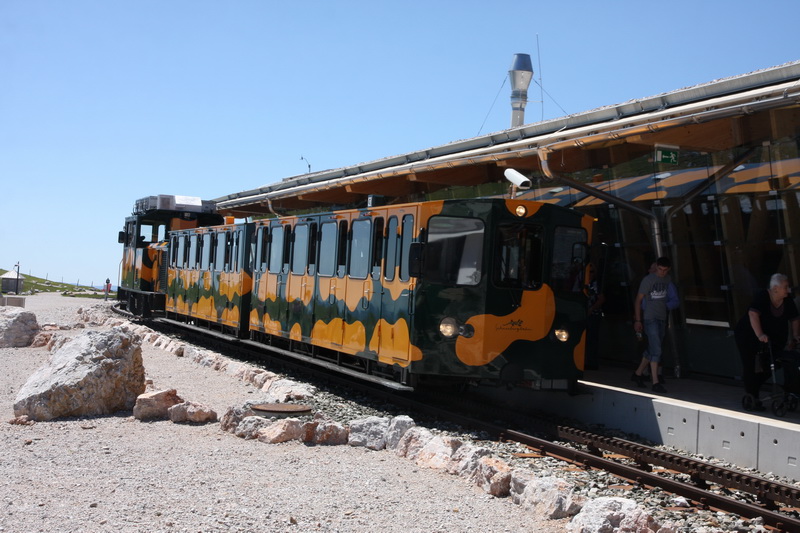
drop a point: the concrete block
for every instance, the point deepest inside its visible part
(733, 438)
(677, 425)
(779, 450)
(15, 301)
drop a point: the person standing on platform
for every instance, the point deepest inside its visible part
(657, 296)
(766, 324)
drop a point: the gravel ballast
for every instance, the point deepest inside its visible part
(115, 473)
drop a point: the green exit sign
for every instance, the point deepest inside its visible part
(667, 154)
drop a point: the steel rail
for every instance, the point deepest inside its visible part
(701, 472)
(705, 497)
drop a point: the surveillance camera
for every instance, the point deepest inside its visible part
(517, 179)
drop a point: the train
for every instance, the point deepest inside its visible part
(484, 290)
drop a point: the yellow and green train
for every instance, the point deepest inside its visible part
(484, 290)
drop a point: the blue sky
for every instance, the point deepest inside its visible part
(103, 102)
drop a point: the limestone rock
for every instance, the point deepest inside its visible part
(466, 460)
(154, 405)
(234, 416)
(191, 412)
(493, 476)
(397, 428)
(547, 496)
(249, 427)
(282, 430)
(96, 373)
(602, 514)
(17, 327)
(328, 432)
(369, 432)
(438, 452)
(412, 442)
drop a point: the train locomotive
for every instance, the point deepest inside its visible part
(475, 290)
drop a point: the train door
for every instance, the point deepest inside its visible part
(329, 304)
(359, 291)
(192, 274)
(205, 309)
(275, 302)
(394, 336)
(300, 285)
(260, 261)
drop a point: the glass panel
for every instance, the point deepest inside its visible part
(300, 251)
(567, 269)
(405, 244)
(391, 249)
(205, 260)
(518, 257)
(453, 254)
(359, 249)
(327, 249)
(276, 250)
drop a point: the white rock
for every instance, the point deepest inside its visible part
(94, 374)
(17, 327)
(369, 432)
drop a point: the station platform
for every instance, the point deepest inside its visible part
(695, 415)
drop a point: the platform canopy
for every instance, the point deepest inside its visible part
(739, 112)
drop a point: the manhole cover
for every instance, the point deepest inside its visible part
(280, 409)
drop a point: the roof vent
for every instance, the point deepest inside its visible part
(520, 74)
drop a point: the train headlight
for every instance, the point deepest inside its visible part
(562, 335)
(448, 327)
(521, 211)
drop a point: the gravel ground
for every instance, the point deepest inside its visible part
(118, 474)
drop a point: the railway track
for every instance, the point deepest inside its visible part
(706, 485)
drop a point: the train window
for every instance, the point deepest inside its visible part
(180, 245)
(221, 252)
(518, 256)
(391, 250)
(194, 247)
(276, 250)
(213, 251)
(187, 250)
(377, 247)
(327, 249)
(175, 251)
(261, 249)
(405, 245)
(205, 256)
(341, 253)
(454, 251)
(300, 251)
(233, 258)
(359, 249)
(567, 269)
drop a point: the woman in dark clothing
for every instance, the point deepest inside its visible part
(766, 321)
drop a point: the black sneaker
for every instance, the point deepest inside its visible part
(638, 379)
(659, 387)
